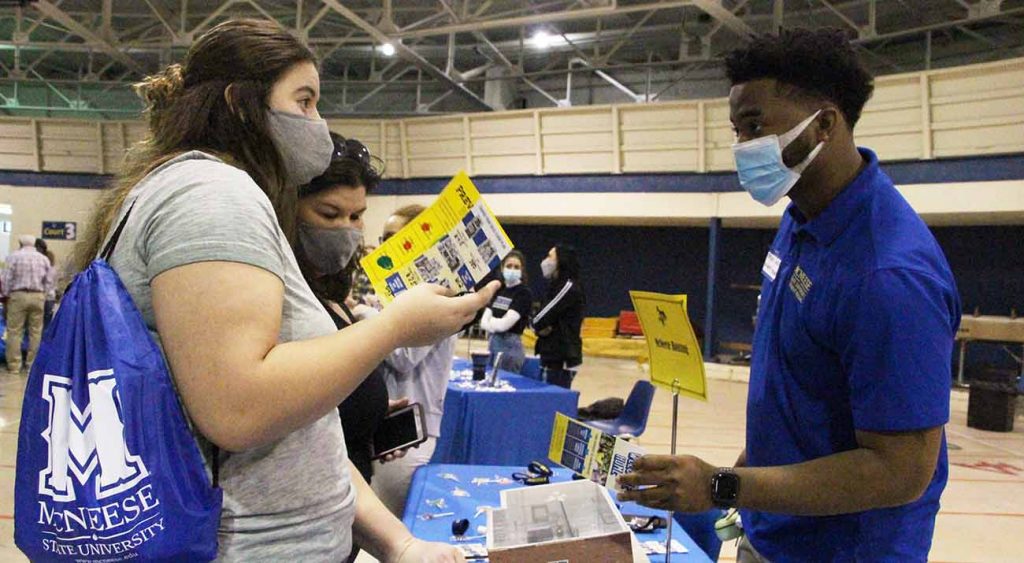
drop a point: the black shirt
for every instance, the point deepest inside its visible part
(518, 299)
(362, 412)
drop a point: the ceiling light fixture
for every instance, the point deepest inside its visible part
(542, 39)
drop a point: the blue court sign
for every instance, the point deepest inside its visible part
(60, 230)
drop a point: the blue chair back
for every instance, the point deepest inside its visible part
(638, 406)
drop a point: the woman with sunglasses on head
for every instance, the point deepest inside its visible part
(328, 249)
(330, 238)
(208, 205)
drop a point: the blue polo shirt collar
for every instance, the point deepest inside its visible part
(839, 214)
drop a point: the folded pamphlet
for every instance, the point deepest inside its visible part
(455, 243)
(589, 452)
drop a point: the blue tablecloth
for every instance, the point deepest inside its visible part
(501, 428)
(427, 484)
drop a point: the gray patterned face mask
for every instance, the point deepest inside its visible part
(329, 250)
(304, 144)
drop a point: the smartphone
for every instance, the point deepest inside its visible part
(401, 429)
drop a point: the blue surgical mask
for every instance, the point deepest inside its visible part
(512, 277)
(760, 166)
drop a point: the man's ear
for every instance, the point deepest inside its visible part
(830, 120)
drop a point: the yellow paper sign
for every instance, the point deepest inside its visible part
(455, 242)
(676, 361)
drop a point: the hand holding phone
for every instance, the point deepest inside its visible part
(401, 429)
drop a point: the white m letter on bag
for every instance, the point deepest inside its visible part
(82, 441)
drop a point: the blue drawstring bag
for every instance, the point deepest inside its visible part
(108, 469)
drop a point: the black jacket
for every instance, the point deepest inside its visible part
(563, 313)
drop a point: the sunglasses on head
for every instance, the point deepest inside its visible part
(351, 148)
(348, 149)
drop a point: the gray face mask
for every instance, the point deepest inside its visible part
(304, 144)
(329, 250)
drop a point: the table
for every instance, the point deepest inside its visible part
(427, 483)
(987, 328)
(501, 428)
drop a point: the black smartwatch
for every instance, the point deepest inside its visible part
(725, 488)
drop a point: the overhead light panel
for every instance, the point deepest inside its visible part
(387, 49)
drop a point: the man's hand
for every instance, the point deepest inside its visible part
(680, 483)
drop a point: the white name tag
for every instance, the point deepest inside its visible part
(771, 265)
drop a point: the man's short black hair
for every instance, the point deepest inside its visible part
(820, 63)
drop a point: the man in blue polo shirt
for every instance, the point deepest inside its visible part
(845, 454)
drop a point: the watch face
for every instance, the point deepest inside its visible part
(725, 488)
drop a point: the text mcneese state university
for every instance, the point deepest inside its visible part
(115, 548)
(106, 517)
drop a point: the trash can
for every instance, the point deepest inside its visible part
(992, 403)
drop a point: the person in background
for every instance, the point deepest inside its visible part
(51, 295)
(849, 392)
(27, 280)
(421, 374)
(560, 319)
(208, 204)
(509, 314)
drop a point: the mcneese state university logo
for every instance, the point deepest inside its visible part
(95, 496)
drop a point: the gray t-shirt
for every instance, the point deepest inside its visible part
(293, 498)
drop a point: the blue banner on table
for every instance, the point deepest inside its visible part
(514, 427)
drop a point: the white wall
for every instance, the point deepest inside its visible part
(5, 231)
(967, 203)
(31, 206)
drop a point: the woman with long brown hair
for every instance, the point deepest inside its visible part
(208, 207)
